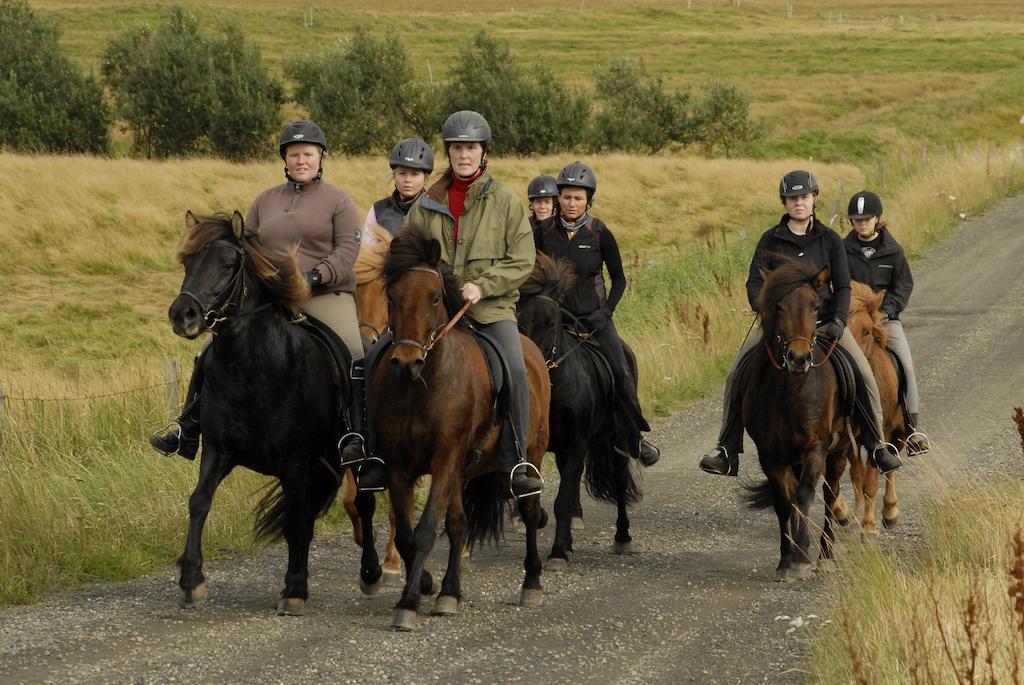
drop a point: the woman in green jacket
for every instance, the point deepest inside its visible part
(486, 239)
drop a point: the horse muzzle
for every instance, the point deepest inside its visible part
(409, 369)
(797, 363)
(186, 317)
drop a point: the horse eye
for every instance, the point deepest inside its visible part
(227, 267)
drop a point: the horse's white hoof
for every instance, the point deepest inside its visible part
(445, 605)
(576, 523)
(556, 565)
(531, 597)
(405, 620)
(291, 606)
(372, 588)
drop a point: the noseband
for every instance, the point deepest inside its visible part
(436, 331)
(551, 360)
(231, 298)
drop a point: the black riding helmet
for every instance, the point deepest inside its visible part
(466, 126)
(302, 131)
(542, 186)
(577, 175)
(412, 153)
(864, 205)
(797, 183)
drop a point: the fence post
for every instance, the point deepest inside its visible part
(3, 399)
(172, 392)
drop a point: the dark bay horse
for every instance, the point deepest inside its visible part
(272, 396)
(432, 412)
(582, 411)
(792, 412)
(865, 324)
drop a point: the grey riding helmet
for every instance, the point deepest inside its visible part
(797, 183)
(466, 126)
(412, 153)
(302, 131)
(542, 186)
(864, 205)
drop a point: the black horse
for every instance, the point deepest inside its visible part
(583, 416)
(272, 394)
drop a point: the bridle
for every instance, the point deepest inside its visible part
(551, 359)
(436, 331)
(231, 298)
(783, 342)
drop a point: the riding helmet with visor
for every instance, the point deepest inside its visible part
(302, 131)
(542, 186)
(864, 205)
(412, 153)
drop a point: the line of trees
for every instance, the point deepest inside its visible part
(180, 89)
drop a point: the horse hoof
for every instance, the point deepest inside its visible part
(518, 526)
(405, 620)
(890, 523)
(390, 578)
(196, 597)
(531, 597)
(623, 548)
(794, 572)
(844, 522)
(556, 565)
(445, 605)
(827, 566)
(374, 587)
(291, 606)
(576, 523)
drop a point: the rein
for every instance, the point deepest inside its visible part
(436, 332)
(231, 297)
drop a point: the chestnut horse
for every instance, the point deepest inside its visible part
(792, 411)
(432, 411)
(865, 324)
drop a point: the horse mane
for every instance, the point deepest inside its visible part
(413, 246)
(782, 280)
(370, 260)
(550, 277)
(279, 274)
(862, 299)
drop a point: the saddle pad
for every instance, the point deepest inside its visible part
(497, 365)
(846, 374)
(320, 332)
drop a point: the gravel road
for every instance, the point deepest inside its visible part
(695, 604)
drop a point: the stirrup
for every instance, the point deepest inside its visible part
(365, 462)
(528, 466)
(881, 445)
(172, 426)
(341, 450)
(732, 466)
(912, 452)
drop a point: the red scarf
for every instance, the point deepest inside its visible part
(457, 198)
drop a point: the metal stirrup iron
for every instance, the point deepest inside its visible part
(176, 427)
(341, 450)
(882, 445)
(528, 466)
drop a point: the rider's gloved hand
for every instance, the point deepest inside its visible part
(313, 278)
(598, 319)
(833, 330)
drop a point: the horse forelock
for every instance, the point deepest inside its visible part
(862, 299)
(781, 281)
(411, 248)
(280, 274)
(550, 277)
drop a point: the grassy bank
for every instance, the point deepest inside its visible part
(88, 274)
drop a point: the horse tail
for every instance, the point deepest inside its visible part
(760, 495)
(485, 500)
(273, 509)
(609, 475)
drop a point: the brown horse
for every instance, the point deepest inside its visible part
(432, 411)
(865, 324)
(792, 412)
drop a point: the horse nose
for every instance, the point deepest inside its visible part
(410, 369)
(800, 363)
(185, 317)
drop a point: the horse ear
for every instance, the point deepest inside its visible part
(433, 253)
(237, 225)
(821, 278)
(876, 301)
(764, 273)
(190, 219)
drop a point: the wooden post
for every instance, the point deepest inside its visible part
(172, 391)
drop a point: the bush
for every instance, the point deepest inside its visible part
(181, 92)
(46, 103)
(722, 118)
(361, 92)
(636, 114)
(528, 109)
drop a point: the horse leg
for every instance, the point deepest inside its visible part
(418, 580)
(532, 593)
(780, 482)
(370, 574)
(447, 602)
(570, 468)
(890, 507)
(192, 581)
(869, 525)
(392, 560)
(348, 498)
(813, 462)
(298, 533)
(834, 467)
(857, 475)
(623, 541)
(576, 523)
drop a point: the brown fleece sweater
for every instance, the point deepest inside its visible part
(321, 219)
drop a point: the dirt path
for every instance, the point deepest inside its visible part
(697, 604)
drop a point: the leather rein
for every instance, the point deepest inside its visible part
(231, 298)
(436, 331)
(551, 359)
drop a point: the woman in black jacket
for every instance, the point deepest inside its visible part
(576, 236)
(877, 260)
(801, 236)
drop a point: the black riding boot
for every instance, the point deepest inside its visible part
(182, 436)
(724, 459)
(370, 474)
(511, 458)
(883, 455)
(917, 442)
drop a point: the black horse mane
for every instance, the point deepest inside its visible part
(414, 246)
(281, 275)
(550, 277)
(782, 280)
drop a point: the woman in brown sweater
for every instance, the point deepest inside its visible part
(323, 222)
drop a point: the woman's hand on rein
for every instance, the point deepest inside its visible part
(471, 293)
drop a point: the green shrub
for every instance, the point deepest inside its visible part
(361, 92)
(528, 109)
(180, 91)
(46, 103)
(722, 119)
